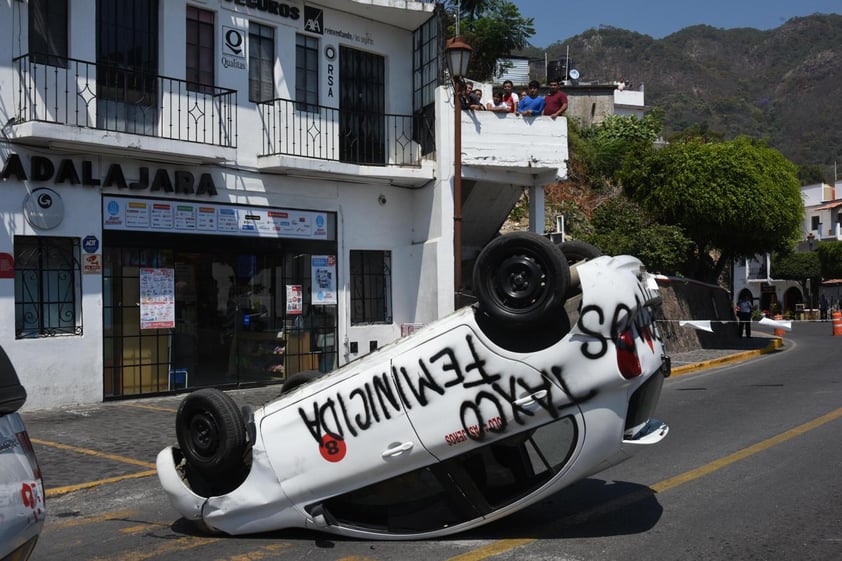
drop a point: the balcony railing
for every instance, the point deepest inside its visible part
(295, 128)
(73, 92)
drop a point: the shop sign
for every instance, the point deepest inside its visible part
(7, 266)
(152, 215)
(92, 264)
(272, 7)
(43, 209)
(42, 169)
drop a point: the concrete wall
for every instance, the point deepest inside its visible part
(686, 299)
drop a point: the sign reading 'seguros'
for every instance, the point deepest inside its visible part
(160, 180)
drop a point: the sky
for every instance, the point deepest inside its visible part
(557, 20)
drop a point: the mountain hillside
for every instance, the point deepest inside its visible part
(783, 85)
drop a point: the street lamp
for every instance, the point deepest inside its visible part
(458, 56)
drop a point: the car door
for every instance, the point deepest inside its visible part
(342, 433)
(462, 393)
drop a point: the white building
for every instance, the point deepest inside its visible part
(822, 222)
(224, 192)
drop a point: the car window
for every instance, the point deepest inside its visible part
(420, 501)
(12, 394)
(510, 469)
(462, 488)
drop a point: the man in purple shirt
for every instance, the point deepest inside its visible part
(531, 104)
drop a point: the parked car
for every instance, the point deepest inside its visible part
(552, 375)
(22, 508)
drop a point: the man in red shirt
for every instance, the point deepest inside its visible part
(555, 102)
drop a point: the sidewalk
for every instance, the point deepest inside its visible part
(736, 351)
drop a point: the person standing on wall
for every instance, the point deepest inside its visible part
(744, 309)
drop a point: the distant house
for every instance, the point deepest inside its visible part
(822, 222)
(589, 102)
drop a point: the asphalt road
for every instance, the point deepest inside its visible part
(751, 470)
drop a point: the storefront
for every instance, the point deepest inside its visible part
(198, 294)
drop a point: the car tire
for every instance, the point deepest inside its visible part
(299, 379)
(521, 279)
(211, 433)
(576, 251)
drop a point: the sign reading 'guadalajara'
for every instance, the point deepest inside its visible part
(155, 180)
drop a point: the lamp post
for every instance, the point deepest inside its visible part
(458, 55)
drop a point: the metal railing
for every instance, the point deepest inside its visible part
(73, 92)
(296, 128)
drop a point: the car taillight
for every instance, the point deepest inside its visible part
(26, 444)
(627, 360)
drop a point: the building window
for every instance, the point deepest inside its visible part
(261, 62)
(371, 287)
(48, 287)
(48, 32)
(307, 73)
(426, 54)
(199, 49)
(815, 223)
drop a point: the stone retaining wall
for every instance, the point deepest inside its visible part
(686, 299)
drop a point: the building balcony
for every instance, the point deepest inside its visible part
(301, 136)
(504, 147)
(75, 105)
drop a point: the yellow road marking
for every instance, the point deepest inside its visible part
(180, 544)
(492, 549)
(95, 453)
(744, 453)
(151, 407)
(55, 491)
(144, 527)
(501, 546)
(265, 552)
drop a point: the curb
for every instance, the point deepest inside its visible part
(775, 344)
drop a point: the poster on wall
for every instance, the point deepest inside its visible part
(324, 279)
(294, 301)
(157, 298)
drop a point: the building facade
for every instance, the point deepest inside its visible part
(822, 222)
(226, 192)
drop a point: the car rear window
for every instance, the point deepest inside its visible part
(12, 394)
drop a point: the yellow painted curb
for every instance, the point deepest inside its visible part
(774, 344)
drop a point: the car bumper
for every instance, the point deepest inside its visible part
(182, 498)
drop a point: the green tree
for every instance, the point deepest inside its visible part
(811, 173)
(621, 227)
(803, 267)
(603, 147)
(732, 199)
(494, 29)
(830, 257)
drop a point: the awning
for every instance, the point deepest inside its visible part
(834, 204)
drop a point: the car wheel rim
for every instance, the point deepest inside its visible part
(204, 434)
(520, 281)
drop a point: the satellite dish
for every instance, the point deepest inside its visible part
(574, 74)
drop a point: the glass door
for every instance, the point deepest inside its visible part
(241, 316)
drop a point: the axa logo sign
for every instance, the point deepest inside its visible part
(314, 20)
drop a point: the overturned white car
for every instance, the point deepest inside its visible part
(552, 375)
